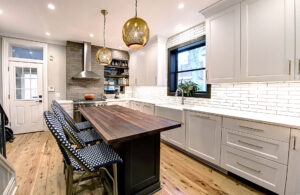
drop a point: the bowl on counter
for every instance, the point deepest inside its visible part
(89, 96)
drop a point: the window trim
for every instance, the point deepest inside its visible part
(206, 94)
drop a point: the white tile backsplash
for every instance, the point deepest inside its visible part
(271, 98)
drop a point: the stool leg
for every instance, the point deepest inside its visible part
(115, 183)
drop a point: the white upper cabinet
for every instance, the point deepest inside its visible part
(267, 40)
(148, 63)
(223, 45)
(297, 66)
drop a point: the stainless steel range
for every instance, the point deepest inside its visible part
(78, 103)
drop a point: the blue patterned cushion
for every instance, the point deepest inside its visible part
(84, 125)
(100, 155)
(61, 118)
(90, 136)
(57, 130)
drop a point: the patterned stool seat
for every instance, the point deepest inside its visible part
(89, 137)
(100, 155)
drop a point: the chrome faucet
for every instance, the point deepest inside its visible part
(182, 95)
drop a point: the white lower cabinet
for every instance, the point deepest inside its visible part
(261, 171)
(142, 107)
(293, 176)
(203, 133)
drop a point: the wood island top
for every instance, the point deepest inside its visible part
(118, 124)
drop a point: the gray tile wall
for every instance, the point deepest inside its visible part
(77, 88)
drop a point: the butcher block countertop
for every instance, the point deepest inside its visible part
(119, 124)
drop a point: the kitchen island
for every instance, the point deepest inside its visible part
(136, 137)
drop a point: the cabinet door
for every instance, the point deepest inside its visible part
(132, 70)
(297, 71)
(177, 136)
(223, 45)
(151, 64)
(293, 181)
(148, 108)
(267, 28)
(204, 136)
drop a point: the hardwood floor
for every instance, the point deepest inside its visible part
(38, 163)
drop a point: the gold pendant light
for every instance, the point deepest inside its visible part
(103, 55)
(135, 32)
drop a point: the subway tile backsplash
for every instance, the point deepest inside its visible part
(270, 98)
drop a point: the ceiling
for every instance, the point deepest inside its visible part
(75, 20)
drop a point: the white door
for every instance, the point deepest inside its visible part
(26, 101)
(267, 28)
(293, 175)
(204, 136)
(223, 45)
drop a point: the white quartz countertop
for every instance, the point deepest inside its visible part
(292, 122)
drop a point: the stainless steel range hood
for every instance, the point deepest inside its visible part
(87, 73)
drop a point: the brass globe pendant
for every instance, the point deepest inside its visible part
(103, 55)
(135, 32)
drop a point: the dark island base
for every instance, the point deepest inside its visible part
(139, 173)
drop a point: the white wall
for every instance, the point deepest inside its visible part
(57, 71)
(1, 92)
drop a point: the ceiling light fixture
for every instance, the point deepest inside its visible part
(180, 6)
(1, 11)
(135, 32)
(47, 33)
(51, 6)
(103, 55)
(92, 35)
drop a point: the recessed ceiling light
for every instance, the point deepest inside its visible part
(91, 35)
(51, 6)
(180, 5)
(179, 27)
(1, 11)
(47, 33)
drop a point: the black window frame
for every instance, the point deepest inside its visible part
(173, 64)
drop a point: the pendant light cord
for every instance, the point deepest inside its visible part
(104, 30)
(136, 8)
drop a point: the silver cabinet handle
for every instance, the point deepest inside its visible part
(204, 117)
(255, 170)
(290, 66)
(295, 140)
(255, 129)
(250, 144)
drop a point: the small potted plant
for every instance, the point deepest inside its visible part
(188, 87)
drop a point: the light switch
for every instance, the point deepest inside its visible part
(51, 88)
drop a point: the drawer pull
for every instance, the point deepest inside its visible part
(255, 129)
(290, 66)
(250, 144)
(294, 146)
(204, 117)
(255, 170)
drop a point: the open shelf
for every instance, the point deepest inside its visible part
(117, 76)
(118, 85)
(121, 67)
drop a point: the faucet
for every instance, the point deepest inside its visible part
(182, 95)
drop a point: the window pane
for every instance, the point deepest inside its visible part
(26, 73)
(33, 83)
(35, 54)
(192, 59)
(27, 83)
(197, 77)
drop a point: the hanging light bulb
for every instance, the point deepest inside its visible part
(103, 55)
(135, 32)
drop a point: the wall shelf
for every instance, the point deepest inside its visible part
(117, 85)
(117, 76)
(120, 67)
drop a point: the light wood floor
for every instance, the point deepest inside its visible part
(38, 163)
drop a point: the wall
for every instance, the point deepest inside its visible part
(279, 98)
(57, 71)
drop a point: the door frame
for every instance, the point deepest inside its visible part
(6, 44)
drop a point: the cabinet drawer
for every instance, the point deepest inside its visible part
(259, 129)
(264, 147)
(263, 172)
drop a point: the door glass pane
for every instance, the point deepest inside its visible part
(34, 94)
(19, 83)
(27, 83)
(27, 95)
(26, 72)
(19, 94)
(33, 72)
(33, 83)
(18, 72)
(27, 53)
